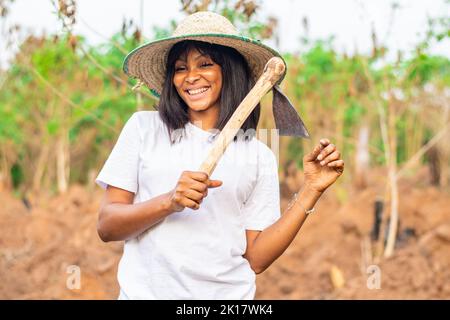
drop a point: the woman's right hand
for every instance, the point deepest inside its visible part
(191, 188)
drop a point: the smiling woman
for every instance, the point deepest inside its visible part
(181, 243)
(204, 84)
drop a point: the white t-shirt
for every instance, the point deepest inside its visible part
(192, 254)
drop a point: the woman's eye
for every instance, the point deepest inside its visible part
(179, 68)
(206, 64)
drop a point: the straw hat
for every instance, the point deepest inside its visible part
(148, 62)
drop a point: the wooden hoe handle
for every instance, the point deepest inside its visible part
(273, 70)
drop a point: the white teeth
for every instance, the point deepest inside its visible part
(197, 91)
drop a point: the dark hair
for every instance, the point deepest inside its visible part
(236, 83)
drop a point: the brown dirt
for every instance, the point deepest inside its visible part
(38, 245)
(325, 261)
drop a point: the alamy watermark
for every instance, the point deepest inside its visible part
(374, 277)
(73, 281)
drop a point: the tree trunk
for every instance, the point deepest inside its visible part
(393, 224)
(444, 148)
(362, 158)
(42, 163)
(62, 162)
(5, 171)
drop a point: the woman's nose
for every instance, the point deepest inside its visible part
(192, 76)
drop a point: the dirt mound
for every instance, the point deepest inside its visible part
(38, 246)
(328, 261)
(41, 238)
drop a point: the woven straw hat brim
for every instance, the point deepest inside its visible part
(148, 62)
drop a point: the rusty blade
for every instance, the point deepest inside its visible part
(287, 120)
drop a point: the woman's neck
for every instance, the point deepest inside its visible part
(205, 119)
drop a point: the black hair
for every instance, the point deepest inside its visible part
(236, 83)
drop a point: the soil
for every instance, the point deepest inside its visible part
(331, 258)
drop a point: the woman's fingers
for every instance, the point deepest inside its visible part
(197, 175)
(192, 199)
(335, 164)
(327, 154)
(191, 188)
(198, 186)
(335, 155)
(326, 151)
(203, 187)
(214, 183)
(188, 203)
(324, 143)
(202, 178)
(194, 195)
(197, 190)
(313, 155)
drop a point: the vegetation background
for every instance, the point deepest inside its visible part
(64, 101)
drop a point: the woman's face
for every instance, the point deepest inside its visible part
(198, 80)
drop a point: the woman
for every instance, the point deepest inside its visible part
(188, 235)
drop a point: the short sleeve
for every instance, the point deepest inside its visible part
(121, 168)
(262, 208)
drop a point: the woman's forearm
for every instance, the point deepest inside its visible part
(118, 221)
(274, 240)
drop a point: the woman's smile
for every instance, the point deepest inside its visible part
(197, 94)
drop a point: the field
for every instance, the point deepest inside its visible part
(326, 260)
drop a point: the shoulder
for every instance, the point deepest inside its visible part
(145, 120)
(140, 123)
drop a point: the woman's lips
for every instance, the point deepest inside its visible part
(197, 94)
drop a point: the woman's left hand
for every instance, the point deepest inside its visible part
(322, 166)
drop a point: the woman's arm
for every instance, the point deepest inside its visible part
(264, 247)
(120, 219)
(322, 167)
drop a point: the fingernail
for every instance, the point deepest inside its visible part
(322, 162)
(319, 157)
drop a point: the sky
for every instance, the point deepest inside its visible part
(349, 21)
